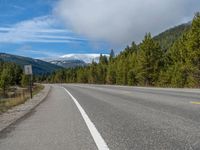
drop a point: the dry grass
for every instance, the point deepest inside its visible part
(20, 98)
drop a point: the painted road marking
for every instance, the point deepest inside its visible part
(196, 103)
(101, 144)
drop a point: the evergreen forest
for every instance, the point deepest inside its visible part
(170, 62)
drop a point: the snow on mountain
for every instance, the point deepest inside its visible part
(87, 58)
(68, 63)
(74, 60)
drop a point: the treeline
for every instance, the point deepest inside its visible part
(11, 74)
(146, 64)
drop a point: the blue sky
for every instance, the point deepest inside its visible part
(52, 28)
(30, 28)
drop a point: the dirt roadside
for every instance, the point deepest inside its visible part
(16, 113)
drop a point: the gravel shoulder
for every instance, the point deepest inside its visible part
(14, 114)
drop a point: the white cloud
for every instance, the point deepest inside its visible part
(27, 50)
(41, 29)
(122, 21)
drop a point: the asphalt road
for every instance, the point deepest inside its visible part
(125, 118)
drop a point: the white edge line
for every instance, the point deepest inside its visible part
(101, 144)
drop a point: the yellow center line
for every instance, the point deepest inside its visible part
(196, 103)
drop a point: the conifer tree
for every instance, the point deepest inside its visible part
(112, 55)
(194, 44)
(5, 79)
(149, 60)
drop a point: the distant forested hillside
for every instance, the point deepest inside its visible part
(168, 37)
(171, 59)
(39, 67)
(10, 74)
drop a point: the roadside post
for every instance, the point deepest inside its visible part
(28, 71)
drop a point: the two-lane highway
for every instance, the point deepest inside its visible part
(110, 117)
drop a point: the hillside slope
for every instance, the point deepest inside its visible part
(39, 66)
(168, 37)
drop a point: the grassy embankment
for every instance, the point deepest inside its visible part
(20, 98)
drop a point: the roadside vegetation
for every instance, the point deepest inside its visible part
(21, 96)
(150, 63)
(14, 88)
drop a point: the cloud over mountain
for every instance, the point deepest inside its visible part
(119, 22)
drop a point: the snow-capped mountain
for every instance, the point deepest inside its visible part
(68, 63)
(74, 60)
(87, 58)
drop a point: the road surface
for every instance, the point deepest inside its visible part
(84, 117)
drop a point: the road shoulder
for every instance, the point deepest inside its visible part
(16, 113)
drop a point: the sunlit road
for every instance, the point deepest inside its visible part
(83, 117)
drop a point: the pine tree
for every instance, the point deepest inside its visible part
(111, 74)
(132, 77)
(82, 75)
(93, 76)
(112, 55)
(194, 44)
(149, 61)
(134, 47)
(5, 79)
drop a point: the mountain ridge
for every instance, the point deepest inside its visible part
(69, 63)
(170, 35)
(39, 67)
(75, 60)
(87, 58)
